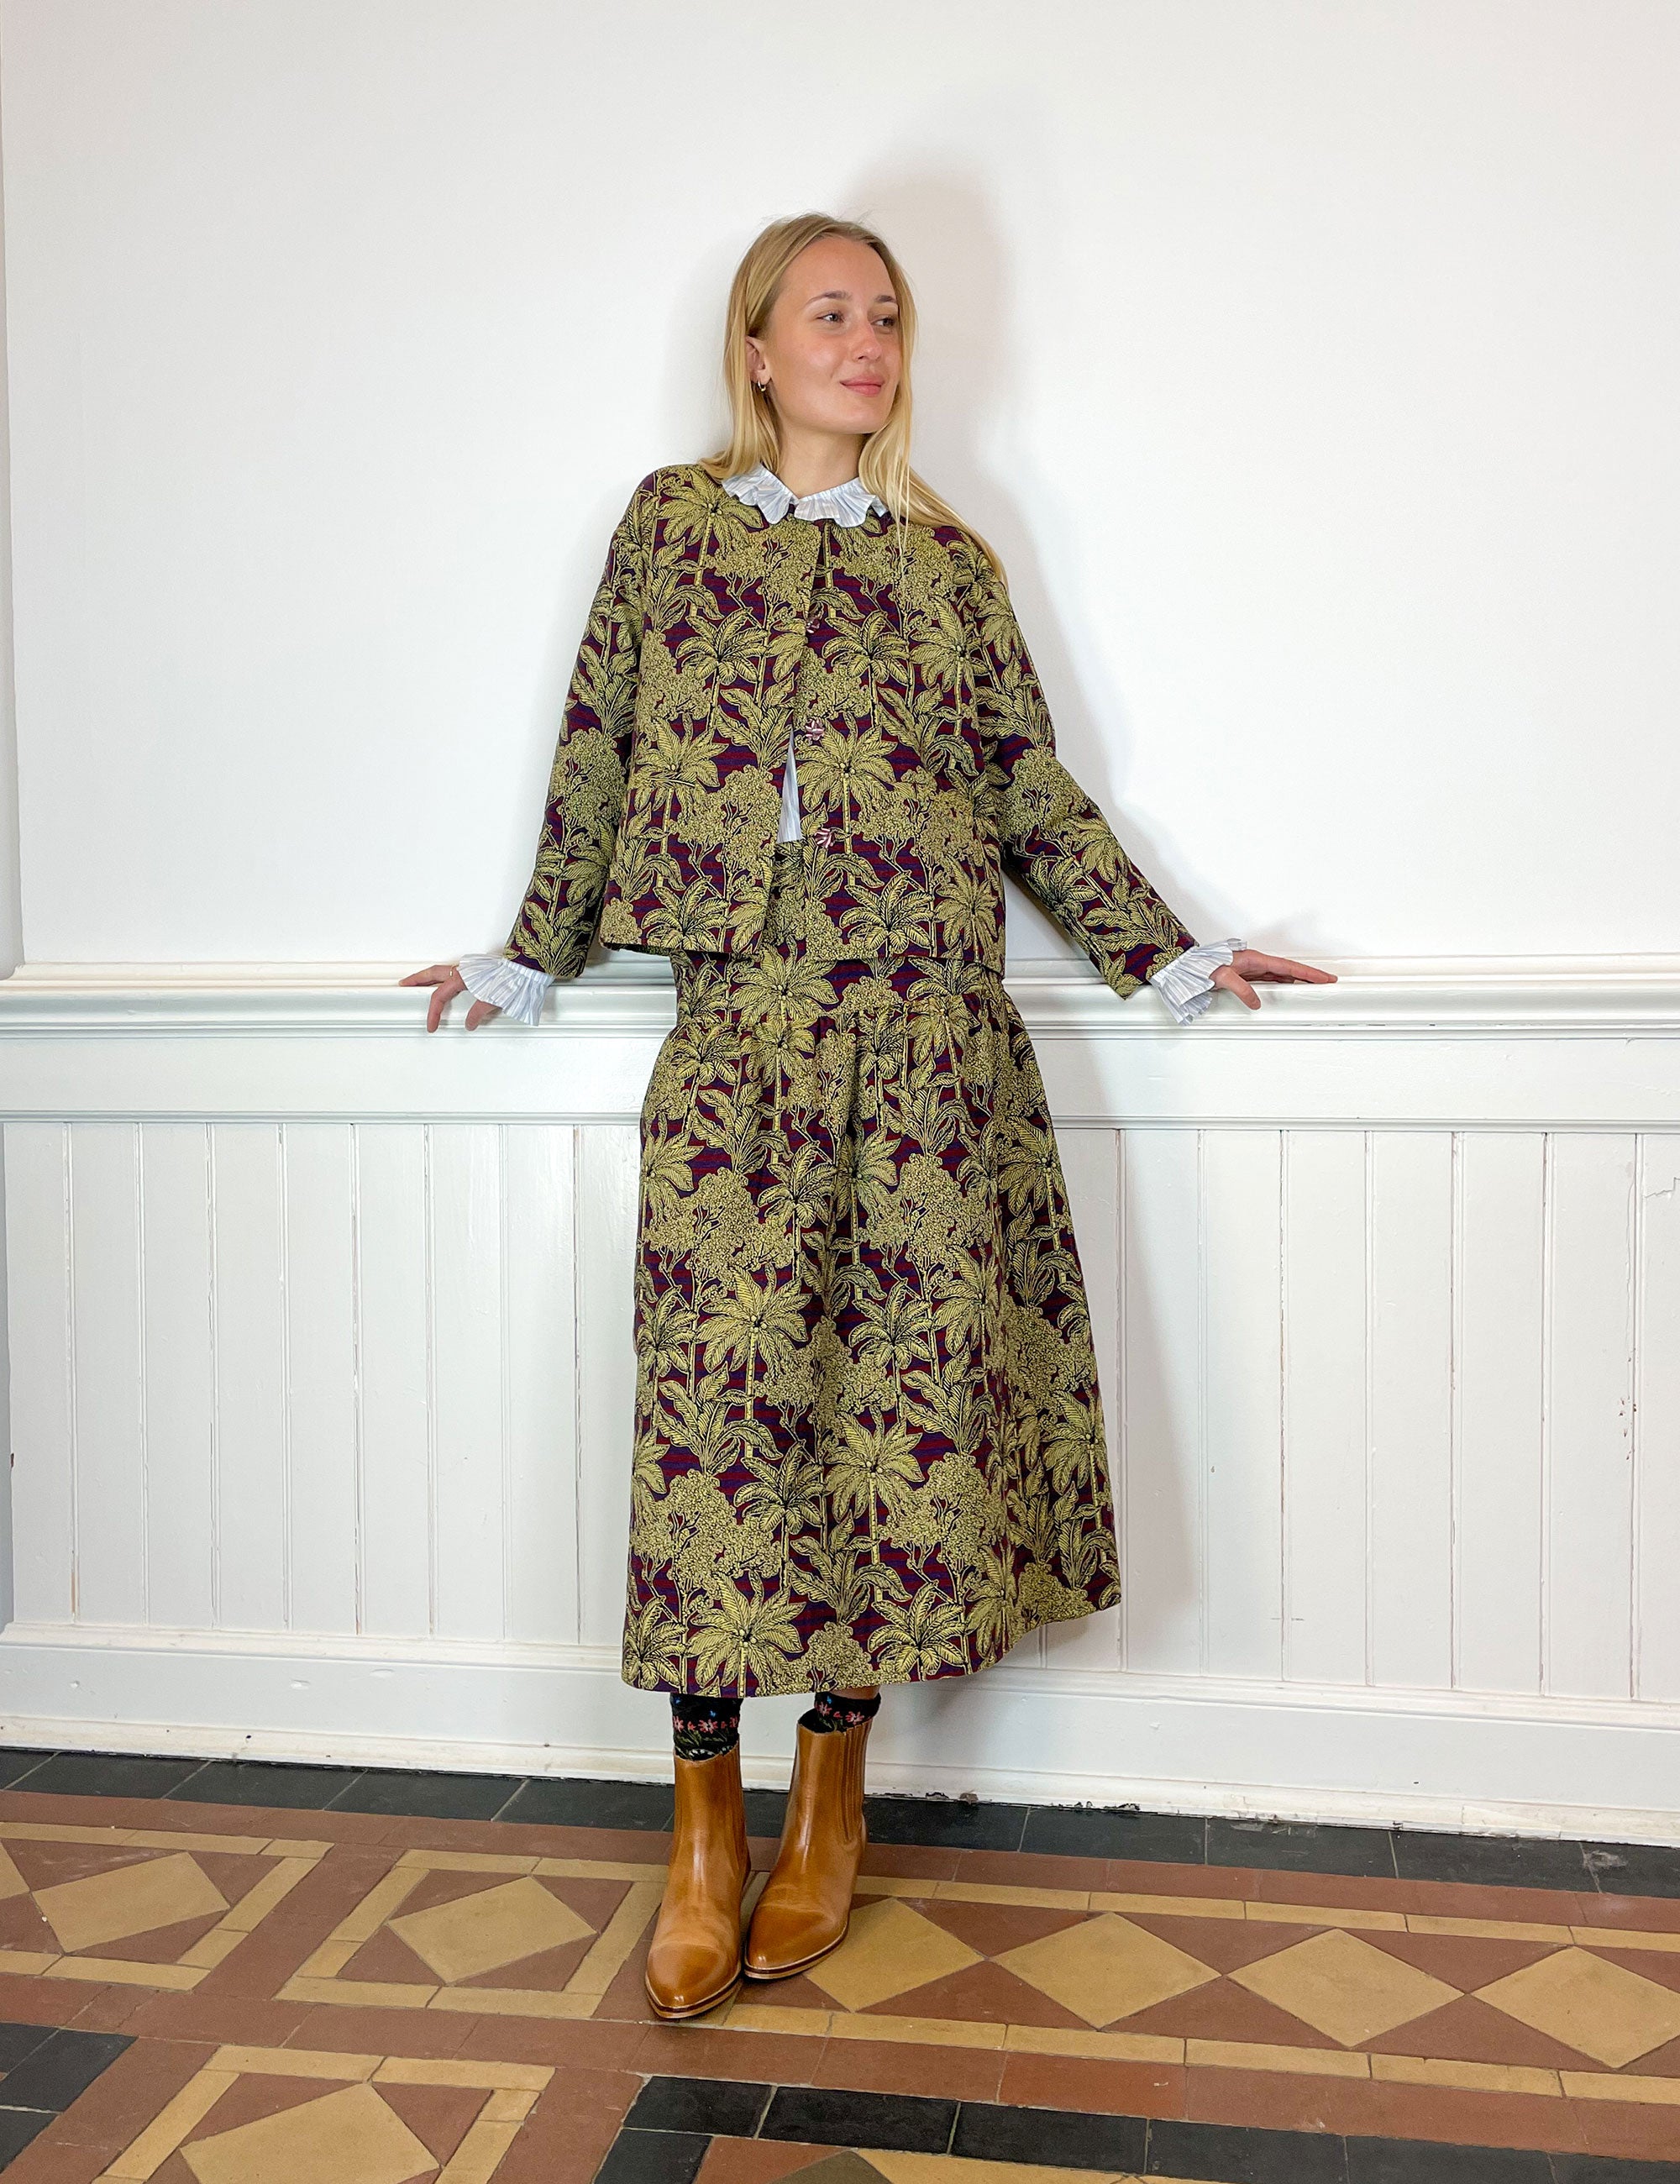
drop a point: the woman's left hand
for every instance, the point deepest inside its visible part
(1248, 964)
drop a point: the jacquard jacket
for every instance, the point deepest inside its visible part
(926, 753)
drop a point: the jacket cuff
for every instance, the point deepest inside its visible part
(515, 989)
(1186, 984)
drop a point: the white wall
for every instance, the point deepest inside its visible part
(1313, 365)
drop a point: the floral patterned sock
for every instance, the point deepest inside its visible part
(703, 1728)
(834, 1710)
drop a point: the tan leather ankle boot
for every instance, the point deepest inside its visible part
(694, 1958)
(807, 1902)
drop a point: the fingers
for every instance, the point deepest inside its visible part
(432, 976)
(1283, 970)
(442, 994)
(1230, 980)
(481, 1012)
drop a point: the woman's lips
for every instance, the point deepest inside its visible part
(863, 386)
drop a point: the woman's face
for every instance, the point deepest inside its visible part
(830, 345)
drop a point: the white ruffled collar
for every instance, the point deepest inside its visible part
(845, 505)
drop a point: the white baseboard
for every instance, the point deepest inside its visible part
(1602, 1770)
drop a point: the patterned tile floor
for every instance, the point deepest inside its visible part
(230, 1973)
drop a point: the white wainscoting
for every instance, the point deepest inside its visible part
(321, 1384)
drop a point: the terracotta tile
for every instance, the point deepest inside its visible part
(756, 2161)
(1024, 1869)
(1473, 2031)
(571, 2128)
(1654, 1964)
(799, 1992)
(38, 2001)
(1279, 2100)
(237, 2018)
(1224, 1944)
(705, 2050)
(1541, 1907)
(1223, 2010)
(1634, 2132)
(1343, 1891)
(382, 2031)
(256, 2095)
(565, 2044)
(108, 2009)
(991, 1928)
(912, 1861)
(1658, 1914)
(50, 2160)
(984, 1991)
(627, 1998)
(123, 2100)
(530, 1839)
(1065, 2081)
(1661, 2062)
(1463, 1960)
(439, 2116)
(1468, 2119)
(886, 2066)
(1141, 1877)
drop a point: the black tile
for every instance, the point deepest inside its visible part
(897, 2123)
(1297, 1847)
(703, 2104)
(1419, 2161)
(1609, 2169)
(111, 1774)
(653, 2157)
(554, 1801)
(15, 1763)
(1491, 1861)
(17, 2041)
(1058, 2138)
(64, 2065)
(1078, 1832)
(17, 2127)
(764, 1811)
(420, 1797)
(1236, 2154)
(263, 1782)
(1634, 1869)
(944, 1823)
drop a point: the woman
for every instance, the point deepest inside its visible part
(803, 739)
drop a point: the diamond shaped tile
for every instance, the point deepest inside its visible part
(480, 1933)
(348, 2137)
(1105, 1968)
(1603, 2010)
(128, 1899)
(1343, 1987)
(889, 1949)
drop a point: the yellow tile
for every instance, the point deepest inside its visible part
(890, 1949)
(329, 1960)
(1168, 1907)
(294, 2063)
(1261, 2055)
(509, 2002)
(130, 1899)
(1341, 1986)
(917, 2031)
(1326, 1915)
(892, 1884)
(213, 1948)
(380, 1903)
(467, 1861)
(12, 1882)
(1485, 1930)
(474, 1933)
(27, 1964)
(599, 1869)
(356, 1994)
(185, 1839)
(487, 2077)
(347, 2138)
(612, 1945)
(771, 2017)
(1031, 1899)
(506, 2105)
(1588, 2086)
(1601, 2009)
(1106, 1968)
(117, 1971)
(144, 2156)
(45, 1831)
(1098, 2047)
(1468, 2077)
(284, 1846)
(960, 2169)
(272, 1890)
(479, 2155)
(1616, 1937)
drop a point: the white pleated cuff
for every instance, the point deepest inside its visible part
(514, 988)
(1186, 984)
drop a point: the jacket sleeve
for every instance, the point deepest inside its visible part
(562, 905)
(1055, 838)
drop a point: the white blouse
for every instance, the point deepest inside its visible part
(1185, 984)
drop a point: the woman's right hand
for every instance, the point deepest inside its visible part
(448, 982)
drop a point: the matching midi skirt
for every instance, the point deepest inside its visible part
(868, 1436)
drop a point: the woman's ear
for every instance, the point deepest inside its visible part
(755, 359)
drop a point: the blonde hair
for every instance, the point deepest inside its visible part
(755, 436)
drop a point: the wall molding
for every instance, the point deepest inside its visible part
(1504, 1763)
